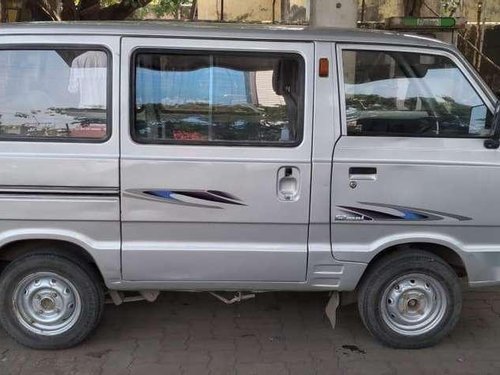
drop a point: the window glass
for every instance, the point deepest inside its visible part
(218, 98)
(410, 94)
(53, 94)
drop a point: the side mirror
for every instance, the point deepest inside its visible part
(494, 141)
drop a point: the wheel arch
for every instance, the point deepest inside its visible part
(450, 255)
(17, 248)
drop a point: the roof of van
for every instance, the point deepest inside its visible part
(211, 30)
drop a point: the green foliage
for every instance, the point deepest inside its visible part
(161, 8)
(105, 3)
(158, 8)
(449, 7)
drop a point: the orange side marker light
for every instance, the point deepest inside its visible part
(323, 67)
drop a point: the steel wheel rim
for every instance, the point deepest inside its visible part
(413, 304)
(46, 303)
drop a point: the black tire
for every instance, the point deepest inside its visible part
(383, 277)
(83, 279)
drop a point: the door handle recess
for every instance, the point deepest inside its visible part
(362, 173)
(288, 184)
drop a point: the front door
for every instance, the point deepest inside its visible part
(216, 160)
(411, 164)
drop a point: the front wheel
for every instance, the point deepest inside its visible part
(49, 302)
(410, 299)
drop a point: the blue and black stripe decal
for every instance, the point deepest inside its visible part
(398, 213)
(210, 198)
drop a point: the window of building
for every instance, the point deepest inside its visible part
(53, 94)
(390, 93)
(218, 98)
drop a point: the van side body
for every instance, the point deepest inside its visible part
(311, 206)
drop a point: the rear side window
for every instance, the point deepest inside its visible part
(218, 98)
(390, 93)
(58, 94)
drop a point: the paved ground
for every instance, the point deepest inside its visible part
(277, 333)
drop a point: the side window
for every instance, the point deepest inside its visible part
(53, 94)
(218, 98)
(410, 94)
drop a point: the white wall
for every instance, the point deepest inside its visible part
(333, 13)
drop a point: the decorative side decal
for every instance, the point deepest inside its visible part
(403, 213)
(178, 197)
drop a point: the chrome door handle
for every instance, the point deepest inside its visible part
(362, 173)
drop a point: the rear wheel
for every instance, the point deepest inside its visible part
(410, 300)
(49, 302)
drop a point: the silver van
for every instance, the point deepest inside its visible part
(149, 157)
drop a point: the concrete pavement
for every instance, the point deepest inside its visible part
(277, 333)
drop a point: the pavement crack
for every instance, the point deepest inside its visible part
(132, 355)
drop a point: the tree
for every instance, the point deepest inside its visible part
(413, 7)
(170, 7)
(449, 7)
(3, 11)
(66, 10)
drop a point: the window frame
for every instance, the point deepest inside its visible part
(340, 48)
(109, 90)
(198, 51)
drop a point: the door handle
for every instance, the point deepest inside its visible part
(362, 173)
(288, 184)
